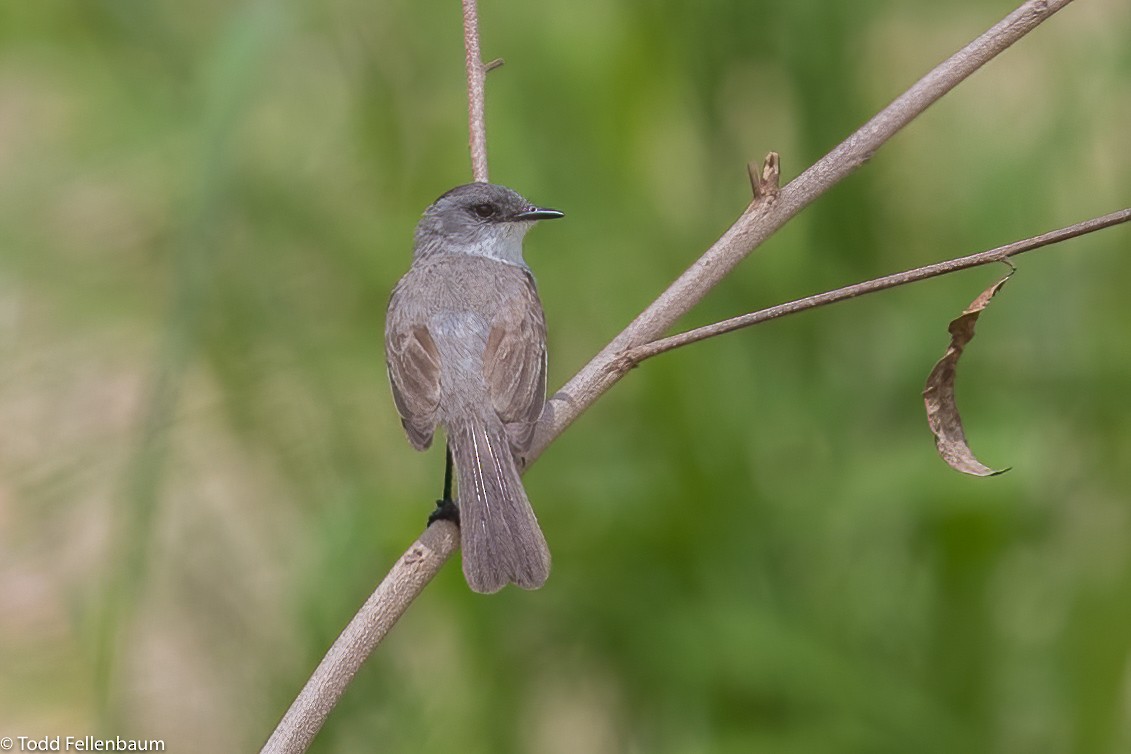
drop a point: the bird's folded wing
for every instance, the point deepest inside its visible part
(514, 363)
(414, 372)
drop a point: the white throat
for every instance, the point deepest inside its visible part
(503, 242)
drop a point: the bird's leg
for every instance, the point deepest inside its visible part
(446, 507)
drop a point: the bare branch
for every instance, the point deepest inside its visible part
(769, 211)
(476, 97)
(385, 606)
(648, 350)
(766, 215)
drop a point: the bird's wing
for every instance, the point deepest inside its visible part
(414, 373)
(514, 362)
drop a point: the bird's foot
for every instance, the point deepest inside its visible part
(446, 510)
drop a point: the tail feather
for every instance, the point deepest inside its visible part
(501, 540)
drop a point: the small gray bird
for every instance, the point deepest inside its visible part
(465, 342)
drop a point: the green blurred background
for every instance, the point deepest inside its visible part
(203, 207)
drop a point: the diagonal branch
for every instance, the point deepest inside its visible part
(638, 354)
(400, 587)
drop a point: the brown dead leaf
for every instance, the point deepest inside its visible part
(938, 395)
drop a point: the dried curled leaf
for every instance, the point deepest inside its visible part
(938, 395)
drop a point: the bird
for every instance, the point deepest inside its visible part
(465, 346)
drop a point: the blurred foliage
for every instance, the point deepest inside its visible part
(204, 206)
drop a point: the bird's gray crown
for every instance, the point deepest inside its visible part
(483, 219)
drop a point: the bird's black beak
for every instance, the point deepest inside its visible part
(537, 213)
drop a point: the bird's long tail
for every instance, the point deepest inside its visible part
(501, 540)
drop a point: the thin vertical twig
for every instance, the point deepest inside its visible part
(476, 96)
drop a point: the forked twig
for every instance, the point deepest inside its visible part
(656, 347)
(769, 212)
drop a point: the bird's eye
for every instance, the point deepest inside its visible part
(483, 210)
